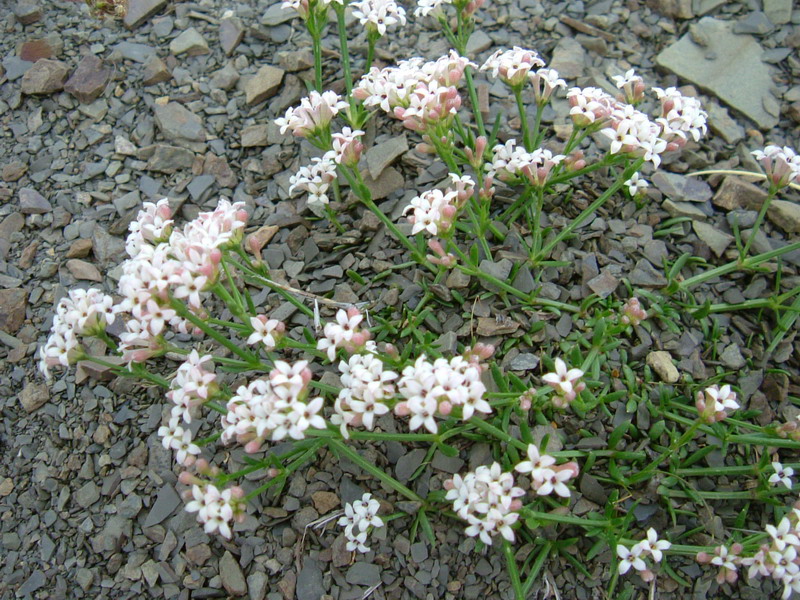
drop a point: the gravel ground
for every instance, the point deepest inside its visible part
(97, 117)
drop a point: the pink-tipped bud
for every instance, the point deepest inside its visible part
(202, 466)
(187, 478)
(391, 351)
(525, 403)
(253, 446)
(241, 215)
(445, 408)
(164, 211)
(448, 484)
(306, 376)
(353, 312)
(515, 505)
(272, 472)
(436, 247)
(237, 492)
(703, 558)
(402, 410)
(647, 575)
(572, 467)
(215, 255)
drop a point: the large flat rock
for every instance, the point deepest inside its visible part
(728, 65)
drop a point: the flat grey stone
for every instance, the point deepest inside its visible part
(177, 123)
(166, 503)
(721, 123)
(189, 42)
(478, 42)
(87, 495)
(382, 155)
(419, 552)
(135, 52)
(309, 581)
(32, 202)
(499, 270)
(732, 357)
(756, 22)
(722, 66)
(276, 15)
(604, 284)
(447, 464)
(715, 239)
(778, 11)
(36, 581)
(784, 214)
(569, 58)
(408, 463)
(365, 574)
(231, 574)
(523, 362)
(199, 187)
(141, 10)
(645, 274)
(15, 67)
(127, 202)
(681, 188)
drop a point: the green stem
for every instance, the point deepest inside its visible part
(648, 471)
(473, 98)
(563, 519)
(498, 433)
(523, 117)
(578, 221)
(513, 571)
(356, 458)
(370, 51)
(316, 44)
(348, 78)
(757, 225)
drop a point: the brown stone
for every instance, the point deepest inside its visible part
(198, 554)
(83, 270)
(141, 10)
(44, 77)
(260, 238)
(155, 71)
(12, 309)
(28, 12)
(34, 50)
(27, 256)
(218, 167)
(89, 79)
(13, 171)
(736, 193)
(264, 84)
(231, 33)
(255, 135)
(325, 502)
(79, 249)
(34, 396)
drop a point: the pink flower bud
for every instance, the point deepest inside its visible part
(353, 312)
(272, 472)
(186, 478)
(391, 351)
(402, 410)
(253, 446)
(515, 505)
(445, 408)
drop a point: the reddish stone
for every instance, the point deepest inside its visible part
(34, 50)
(89, 79)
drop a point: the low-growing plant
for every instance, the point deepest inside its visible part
(185, 297)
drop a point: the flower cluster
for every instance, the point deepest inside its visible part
(215, 509)
(316, 178)
(632, 132)
(778, 559)
(632, 86)
(81, 312)
(681, 117)
(635, 556)
(345, 332)
(435, 210)
(421, 94)
(566, 383)
(192, 385)
(547, 477)
(513, 67)
(377, 15)
(365, 387)
(782, 165)
(347, 147)
(273, 408)
(359, 517)
(487, 500)
(511, 162)
(714, 403)
(313, 116)
(632, 312)
(432, 388)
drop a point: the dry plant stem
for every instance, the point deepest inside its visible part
(795, 186)
(578, 221)
(759, 220)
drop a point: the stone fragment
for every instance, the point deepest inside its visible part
(178, 124)
(661, 362)
(13, 303)
(36, 581)
(34, 50)
(166, 503)
(155, 71)
(135, 52)
(82, 270)
(87, 494)
(200, 187)
(778, 11)
(257, 585)
(141, 10)
(389, 182)
(168, 159)
(225, 78)
(288, 584)
(325, 502)
(260, 238)
(681, 188)
(408, 463)
(732, 357)
(499, 270)
(231, 574)
(15, 67)
(721, 123)
(678, 9)
(255, 135)
(362, 573)
(736, 193)
(6, 487)
(309, 581)
(277, 15)
(13, 171)
(189, 42)
(683, 209)
(231, 33)
(523, 362)
(32, 202)
(292, 61)
(124, 146)
(646, 275)
(34, 396)
(89, 79)
(756, 22)
(478, 42)
(219, 168)
(604, 284)
(44, 77)
(150, 572)
(264, 84)
(569, 58)
(28, 12)
(382, 155)
(722, 65)
(489, 326)
(715, 239)
(785, 215)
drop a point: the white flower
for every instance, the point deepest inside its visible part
(653, 546)
(782, 475)
(636, 184)
(783, 534)
(359, 517)
(377, 15)
(630, 558)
